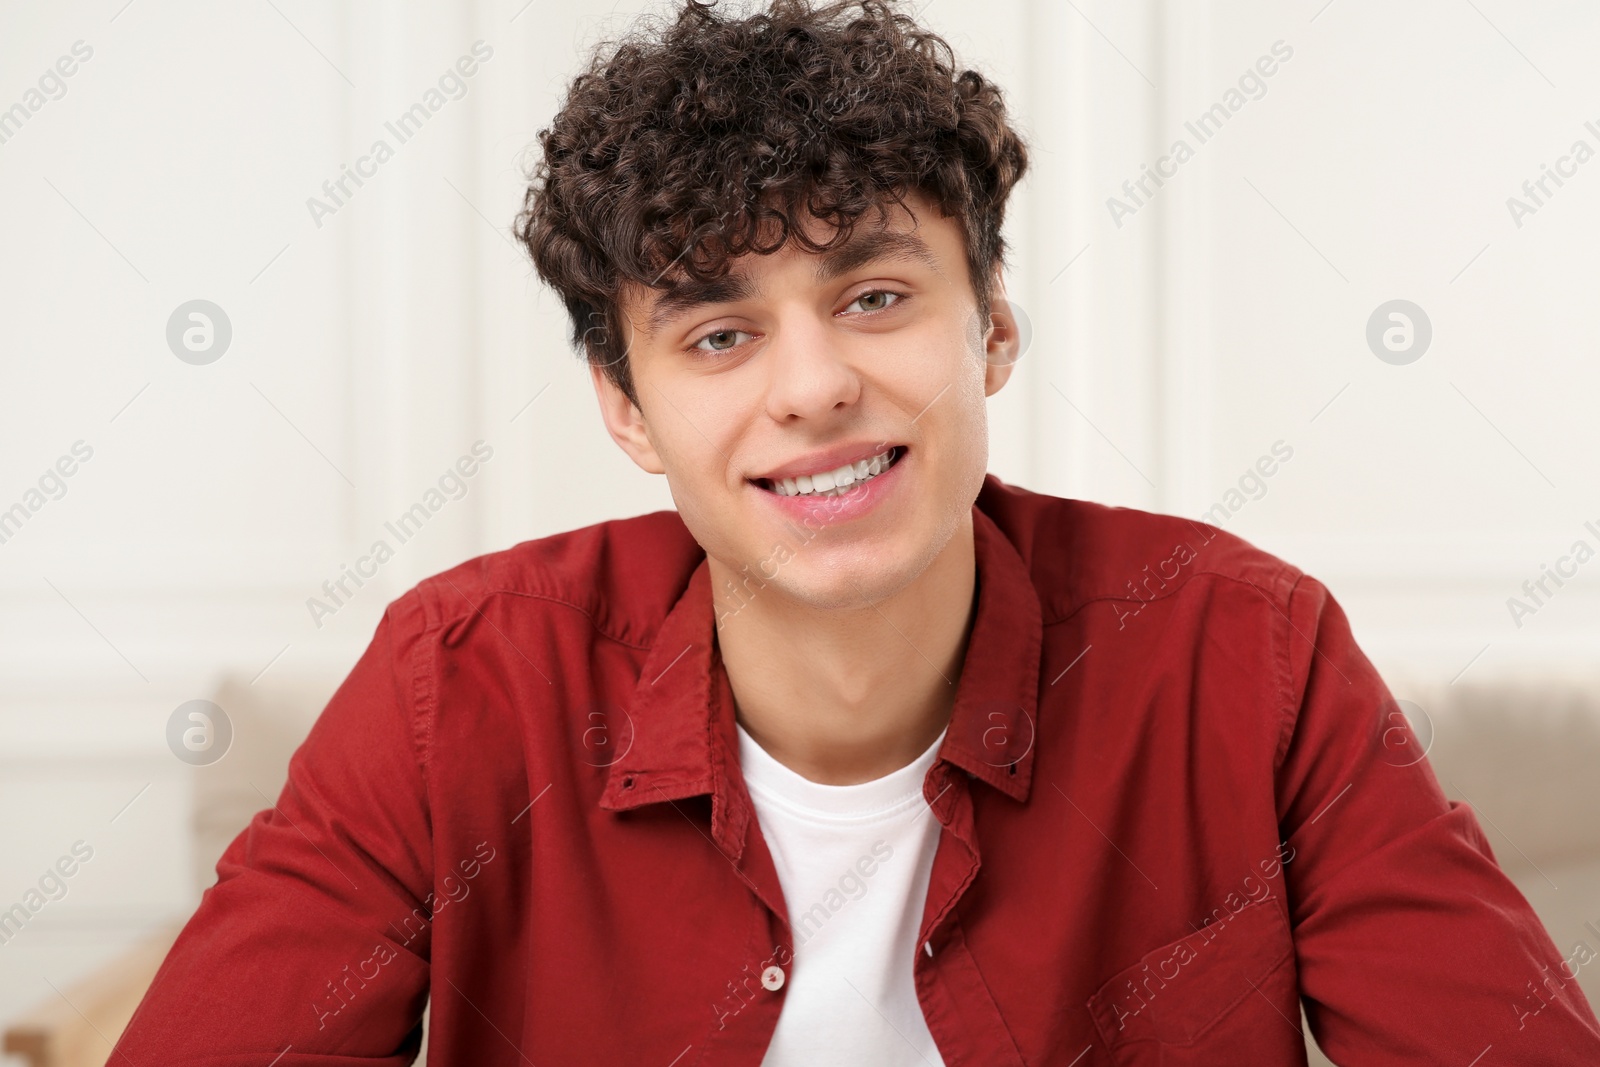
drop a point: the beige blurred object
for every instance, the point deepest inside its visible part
(270, 718)
(1524, 753)
(73, 1030)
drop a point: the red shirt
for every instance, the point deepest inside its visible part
(1172, 799)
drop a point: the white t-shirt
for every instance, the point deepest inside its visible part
(853, 861)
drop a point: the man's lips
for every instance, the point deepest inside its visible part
(828, 459)
(817, 505)
(836, 470)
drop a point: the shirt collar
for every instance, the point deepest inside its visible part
(683, 740)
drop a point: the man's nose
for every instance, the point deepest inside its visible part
(810, 371)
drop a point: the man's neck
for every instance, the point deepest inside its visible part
(846, 696)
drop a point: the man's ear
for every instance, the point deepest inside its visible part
(625, 422)
(1002, 342)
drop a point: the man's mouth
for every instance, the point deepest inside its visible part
(836, 481)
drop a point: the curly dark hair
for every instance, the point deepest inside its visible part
(683, 148)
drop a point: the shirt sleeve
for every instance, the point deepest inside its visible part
(313, 944)
(1413, 946)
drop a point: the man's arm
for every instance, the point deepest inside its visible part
(314, 942)
(1413, 946)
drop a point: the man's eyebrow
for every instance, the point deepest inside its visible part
(857, 252)
(693, 293)
(880, 244)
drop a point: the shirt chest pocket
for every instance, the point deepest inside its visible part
(1225, 994)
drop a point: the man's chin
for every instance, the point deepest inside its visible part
(841, 587)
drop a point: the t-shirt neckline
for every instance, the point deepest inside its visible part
(773, 780)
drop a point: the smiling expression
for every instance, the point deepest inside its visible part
(821, 419)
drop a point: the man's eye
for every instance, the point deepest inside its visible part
(721, 340)
(878, 295)
(727, 340)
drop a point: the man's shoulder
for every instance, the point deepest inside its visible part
(1081, 552)
(623, 574)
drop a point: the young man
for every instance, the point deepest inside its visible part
(860, 755)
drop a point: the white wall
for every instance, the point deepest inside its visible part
(370, 351)
(1230, 309)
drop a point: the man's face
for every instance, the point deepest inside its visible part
(799, 364)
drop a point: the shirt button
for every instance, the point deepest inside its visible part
(772, 978)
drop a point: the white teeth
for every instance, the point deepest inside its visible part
(834, 482)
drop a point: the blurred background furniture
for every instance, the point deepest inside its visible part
(80, 1030)
(270, 718)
